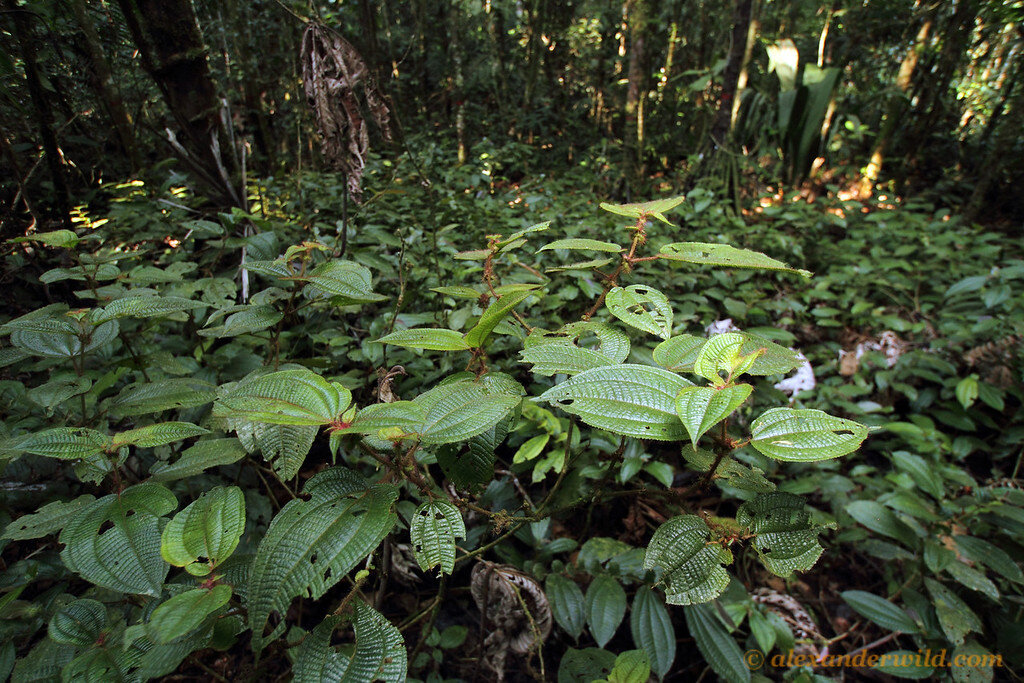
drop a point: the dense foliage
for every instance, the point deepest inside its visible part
(461, 407)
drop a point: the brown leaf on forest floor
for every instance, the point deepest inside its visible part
(515, 609)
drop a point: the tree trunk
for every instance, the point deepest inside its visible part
(22, 19)
(741, 79)
(104, 80)
(742, 13)
(167, 35)
(632, 135)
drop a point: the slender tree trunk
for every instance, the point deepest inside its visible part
(632, 136)
(748, 51)
(455, 50)
(22, 19)
(742, 13)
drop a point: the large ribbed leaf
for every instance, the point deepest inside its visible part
(567, 351)
(66, 443)
(581, 244)
(456, 411)
(201, 456)
(58, 344)
(678, 353)
(287, 397)
(398, 418)
(47, 520)
(43, 662)
(784, 537)
(652, 209)
(567, 603)
(285, 446)
(431, 339)
(379, 653)
(494, 314)
(344, 281)
(606, 606)
(718, 647)
(690, 564)
(244, 320)
(186, 612)
(79, 623)
(701, 408)
(311, 544)
(642, 307)
(146, 307)
(167, 394)
(652, 630)
(434, 528)
(209, 528)
(158, 435)
(710, 254)
(633, 400)
(472, 467)
(805, 435)
(723, 354)
(115, 541)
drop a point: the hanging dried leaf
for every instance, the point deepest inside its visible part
(502, 592)
(332, 72)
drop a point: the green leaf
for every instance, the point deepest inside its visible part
(146, 307)
(311, 544)
(186, 612)
(723, 353)
(805, 435)
(346, 282)
(972, 663)
(200, 457)
(654, 209)
(904, 664)
(701, 408)
(880, 611)
(404, 417)
(567, 603)
(379, 652)
(606, 606)
(286, 446)
(434, 528)
(642, 307)
(288, 397)
(245, 320)
(652, 630)
(709, 254)
(678, 353)
(785, 539)
(208, 528)
(955, 617)
(882, 520)
(79, 623)
(66, 443)
(433, 339)
(458, 291)
(115, 541)
(494, 314)
(967, 391)
(585, 666)
(157, 435)
(632, 400)
(43, 662)
(581, 244)
(168, 394)
(718, 647)
(689, 562)
(975, 549)
(531, 449)
(54, 238)
(581, 265)
(973, 579)
(457, 411)
(47, 520)
(632, 666)
(564, 352)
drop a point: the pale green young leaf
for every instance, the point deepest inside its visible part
(289, 397)
(209, 528)
(567, 604)
(652, 630)
(79, 623)
(47, 520)
(311, 544)
(784, 537)
(582, 245)
(632, 400)
(632, 666)
(186, 612)
(701, 408)
(379, 653)
(458, 291)
(723, 353)
(199, 457)
(606, 606)
(805, 435)
(655, 209)
(54, 238)
(115, 541)
(434, 528)
(158, 434)
(580, 265)
(678, 353)
(710, 254)
(642, 307)
(432, 339)
(718, 647)
(495, 313)
(690, 564)
(531, 448)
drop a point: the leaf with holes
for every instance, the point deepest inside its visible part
(653, 209)
(632, 400)
(567, 603)
(79, 623)
(701, 408)
(567, 351)
(682, 549)
(431, 339)
(115, 541)
(168, 394)
(206, 532)
(66, 443)
(784, 537)
(379, 653)
(287, 397)
(494, 314)
(606, 606)
(710, 254)
(642, 307)
(186, 612)
(457, 411)
(581, 244)
(311, 544)
(805, 435)
(652, 630)
(434, 528)
(47, 520)
(157, 435)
